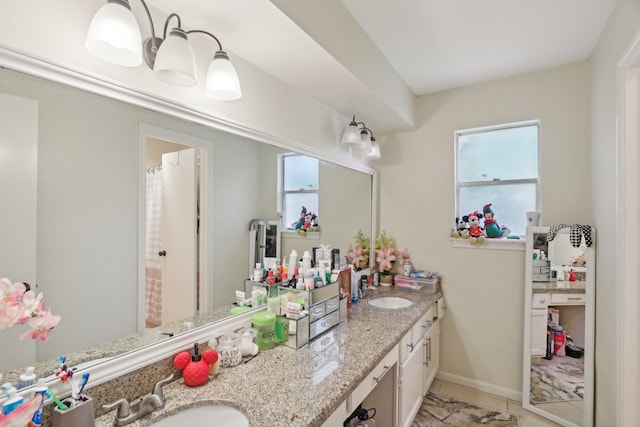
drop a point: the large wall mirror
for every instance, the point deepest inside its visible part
(558, 367)
(74, 204)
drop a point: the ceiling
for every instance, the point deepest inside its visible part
(372, 57)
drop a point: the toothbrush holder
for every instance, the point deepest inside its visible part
(79, 415)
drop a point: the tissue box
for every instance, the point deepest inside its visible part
(429, 286)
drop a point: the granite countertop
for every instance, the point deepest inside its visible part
(288, 387)
(557, 287)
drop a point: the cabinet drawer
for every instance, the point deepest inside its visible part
(577, 299)
(386, 365)
(317, 311)
(423, 325)
(540, 300)
(332, 304)
(321, 325)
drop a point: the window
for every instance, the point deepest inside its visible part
(298, 187)
(498, 165)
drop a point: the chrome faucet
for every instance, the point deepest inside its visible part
(130, 412)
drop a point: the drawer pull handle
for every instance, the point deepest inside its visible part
(386, 369)
(410, 345)
(575, 298)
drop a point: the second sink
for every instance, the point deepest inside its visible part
(203, 415)
(390, 302)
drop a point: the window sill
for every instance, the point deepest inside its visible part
(496, 244)
(290, 234)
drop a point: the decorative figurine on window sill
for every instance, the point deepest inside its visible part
(475, 229)
(462, 229)
(491, 227)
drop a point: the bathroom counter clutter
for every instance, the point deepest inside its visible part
(287, 387)
(560, 286)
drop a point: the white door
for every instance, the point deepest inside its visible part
(179, 235)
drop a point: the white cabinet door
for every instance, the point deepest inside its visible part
(431, 360)
(336, 419)
(538, 332)
(411, 385)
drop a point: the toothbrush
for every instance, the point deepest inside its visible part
(53, 397)
(83, 382)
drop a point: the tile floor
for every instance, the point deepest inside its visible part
(526, 418)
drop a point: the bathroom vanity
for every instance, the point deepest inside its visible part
(368, 360)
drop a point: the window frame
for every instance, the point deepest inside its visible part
(459, 185)
(282, 193)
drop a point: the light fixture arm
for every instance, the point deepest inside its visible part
(166, 23)
(209, 34)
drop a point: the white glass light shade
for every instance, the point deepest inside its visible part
(365, 141)
(114, 35)
(222, 82)
(175, 62)
(374, 152)
(351, 135)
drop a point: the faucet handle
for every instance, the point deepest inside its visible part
(157, 388)
(124, 409)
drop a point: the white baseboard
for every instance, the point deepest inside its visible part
(480, 385)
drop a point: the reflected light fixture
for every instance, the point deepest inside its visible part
(114, 36)
(358, 135)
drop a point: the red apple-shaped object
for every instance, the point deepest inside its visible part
(210, 356)
(196, 373)
(181, 360)
(195, 367)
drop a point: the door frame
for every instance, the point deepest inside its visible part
(628, 156)
(205, 272)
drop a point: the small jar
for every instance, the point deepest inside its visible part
(407, 268)
(282, 329)
(265, 323)
(229, 350)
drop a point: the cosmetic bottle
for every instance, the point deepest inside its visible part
(293, 261)
(257, 273)
(306, 263)
(26, 379)
(12, 402)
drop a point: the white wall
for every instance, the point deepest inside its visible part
(482, 334)
(622, 27)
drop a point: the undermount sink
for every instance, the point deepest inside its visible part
(202, 416)
(390, 302)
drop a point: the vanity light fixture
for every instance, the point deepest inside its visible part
(114, 36)
(358, 135)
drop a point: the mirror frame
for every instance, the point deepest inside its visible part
(589, 384)
(131, 360)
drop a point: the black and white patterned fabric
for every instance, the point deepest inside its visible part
(576, 233)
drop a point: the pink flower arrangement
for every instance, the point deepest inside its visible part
(19, 306)
(385, 253)
(358, 253)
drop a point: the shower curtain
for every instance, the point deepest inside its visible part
(154, 246)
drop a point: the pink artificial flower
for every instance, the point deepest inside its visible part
(385, 258)
(18, 307)
(40, 326)
(356, 255)
(10, 313)
(404, 255)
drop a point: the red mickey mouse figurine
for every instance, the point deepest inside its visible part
(195, 367)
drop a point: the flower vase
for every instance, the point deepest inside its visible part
(386, 279)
